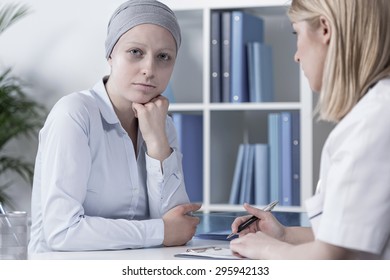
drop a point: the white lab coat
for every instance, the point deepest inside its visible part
(90, 191)
(351, 208)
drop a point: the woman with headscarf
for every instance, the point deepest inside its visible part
(108, 171)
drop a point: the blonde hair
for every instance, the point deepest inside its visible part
(359, 49)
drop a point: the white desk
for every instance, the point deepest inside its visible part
(154, 253)
(209, 222)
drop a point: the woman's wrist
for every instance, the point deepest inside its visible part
(159, 150)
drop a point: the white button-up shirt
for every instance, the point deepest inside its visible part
(90, 191)
(352, 205)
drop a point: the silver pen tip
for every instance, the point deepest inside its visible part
(231, 235)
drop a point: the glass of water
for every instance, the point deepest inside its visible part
(13, 235)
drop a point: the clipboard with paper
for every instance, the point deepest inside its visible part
(211, 252)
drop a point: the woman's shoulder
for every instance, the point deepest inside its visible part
(376, 103)
(79, 107)
(380, 92)
(76, 102)
(371, 115)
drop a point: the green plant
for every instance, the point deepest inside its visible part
(19, 116)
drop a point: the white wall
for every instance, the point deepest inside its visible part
(57, 49)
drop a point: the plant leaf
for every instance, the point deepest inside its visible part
(24, 169)
(11, 13)
(4, 197)
(18, 114)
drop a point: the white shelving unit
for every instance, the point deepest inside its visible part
(226, 125)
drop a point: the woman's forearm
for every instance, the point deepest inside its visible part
(298, 235)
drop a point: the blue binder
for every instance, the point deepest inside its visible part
(286, 137)
(245, 28)
(237, 177)
(226, 55)
(190, 136)
(260, 72)
(296, 159)
(215, 57)
(247, 185)
(261, 188)
(274, 142)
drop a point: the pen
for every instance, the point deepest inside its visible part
(252, 219)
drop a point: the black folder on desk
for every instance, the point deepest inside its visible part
(215, 235)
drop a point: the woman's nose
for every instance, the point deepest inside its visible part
(148, 67)
(296, 58)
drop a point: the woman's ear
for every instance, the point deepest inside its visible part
(326, 30)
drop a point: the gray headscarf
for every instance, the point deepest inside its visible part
(136, 12)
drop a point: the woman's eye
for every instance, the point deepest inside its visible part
(294, 33)
(135, 52)
(164, 56)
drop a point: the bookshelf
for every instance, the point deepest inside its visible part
(226, 125)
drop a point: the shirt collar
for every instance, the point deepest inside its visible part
(104, 102)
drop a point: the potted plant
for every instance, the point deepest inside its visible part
(19, 116)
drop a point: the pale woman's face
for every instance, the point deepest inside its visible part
(141, 63)
(312, 48)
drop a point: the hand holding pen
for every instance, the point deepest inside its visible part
(253, 219)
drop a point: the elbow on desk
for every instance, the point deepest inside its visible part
(64, 240)
(58, 242)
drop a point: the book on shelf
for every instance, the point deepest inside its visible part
(226, 54)
(190, 138)
(261, 187)
(274, 140)
(215, 57)
(268, 172)
(247, 185)
(250, 180)
(244, 28)
(237, 176)
(296, 158)
(286, 152)
(260, 72)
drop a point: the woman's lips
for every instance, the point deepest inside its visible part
(144, 87)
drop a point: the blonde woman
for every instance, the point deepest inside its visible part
(343, 48)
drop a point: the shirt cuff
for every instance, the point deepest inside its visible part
(154, 232)
(169, 165)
